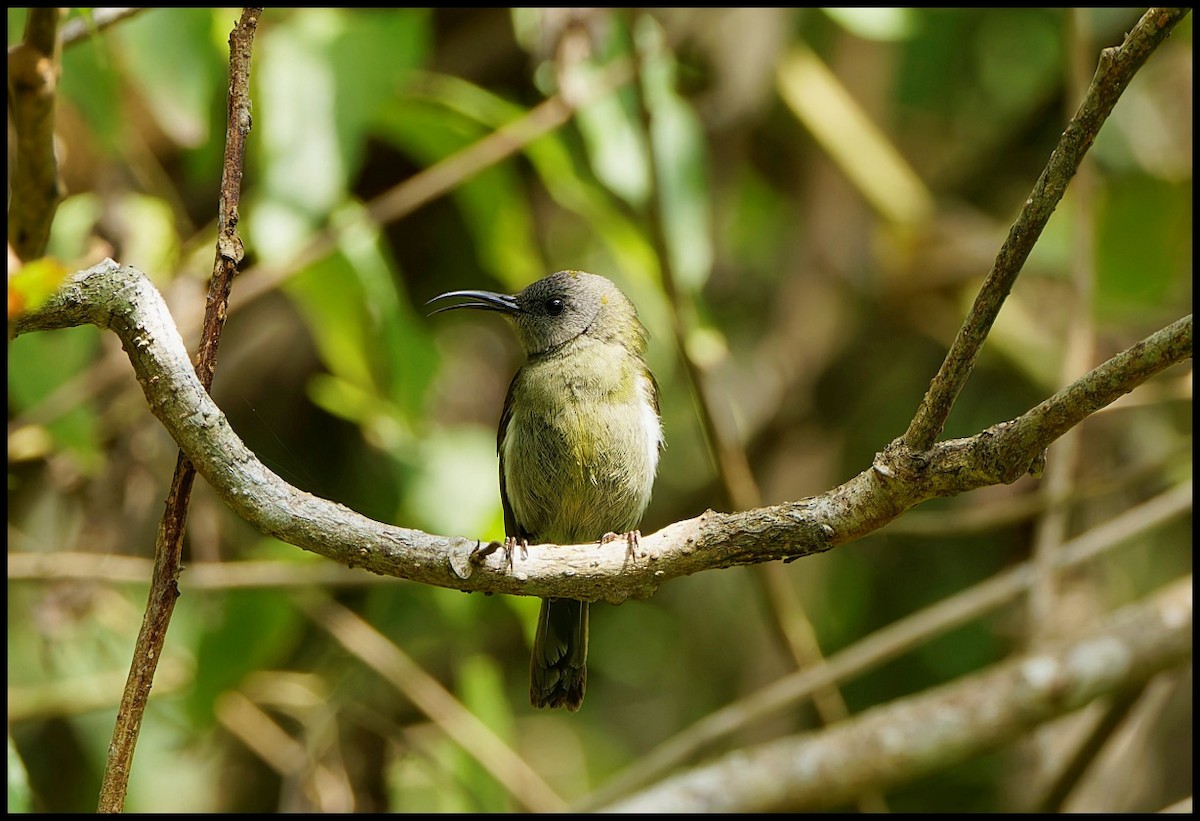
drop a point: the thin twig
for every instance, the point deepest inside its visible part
(1117, 67)
(793, 626)
(1051, 529)
(969, 518)
(96, 692)
(78, 29)
(1110, 783)
(134, 570)
(329, 791)
(1115, 713)
(428, 695)
(168, 548)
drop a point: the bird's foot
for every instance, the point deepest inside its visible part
(508, 546)
(482, 551)
(511, 544)
(632, 540)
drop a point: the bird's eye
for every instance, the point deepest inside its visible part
(555, 305)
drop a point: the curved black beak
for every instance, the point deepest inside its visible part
(483, 300)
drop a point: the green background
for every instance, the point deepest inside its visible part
(818, 320)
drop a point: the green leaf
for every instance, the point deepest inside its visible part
(33, 284)
(298, 145)
(682, 162)
(884, 24)
(1144, 247)
(503, 237)
(179, 61)
(248, 630)
(481, 685)
(367, 335)
(91, 85)
(321, 87)
(19, 794)
(612, 132)
(455, 488)
(73, 226)
(332, 301)
(152, 244)
(30, 381)
(561, 174)
(367, 39)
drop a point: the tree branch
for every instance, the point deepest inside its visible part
(78, 29)
(1116, 69)
(397, 202)
(168, 548)
(429, 696)
(882, 646)
(911, 737)
(123, 299)
(33, 71)
(789, 618)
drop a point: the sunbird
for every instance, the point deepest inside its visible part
(579, 440)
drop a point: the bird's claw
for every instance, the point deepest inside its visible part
(482, 551)
(509, 545)
(632, 541)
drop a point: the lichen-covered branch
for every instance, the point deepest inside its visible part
(871, 651)
(123, 300)
(898, 742)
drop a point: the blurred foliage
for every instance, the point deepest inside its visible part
(817, 319)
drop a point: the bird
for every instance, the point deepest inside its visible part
(579, 440)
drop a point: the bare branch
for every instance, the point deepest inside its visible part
(790, 619)
(1116, 69)
(376, 651)
(33, 71)
(113, 568)
(124, 300)
(168, 548)
(78, 29)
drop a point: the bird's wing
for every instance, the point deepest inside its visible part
(654, 400)
(511, 528)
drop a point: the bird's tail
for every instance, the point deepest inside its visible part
(558, 669)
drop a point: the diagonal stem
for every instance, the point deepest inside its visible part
(168, 548)
(1116, 69)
